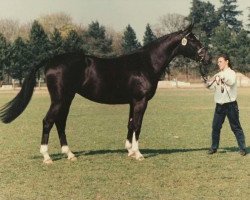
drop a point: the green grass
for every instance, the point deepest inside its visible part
(174, 140)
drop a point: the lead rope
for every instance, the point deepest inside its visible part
(203, 76)
(210, 84)
(226, 90)
(222, 89)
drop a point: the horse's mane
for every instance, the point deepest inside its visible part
(160, 39)
(153, 43)
(143, 48)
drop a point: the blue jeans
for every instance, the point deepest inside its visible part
(232, 112)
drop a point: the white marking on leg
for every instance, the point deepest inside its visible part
(128, 146)
(134, 143)
(66, 150)
(44, 152)
(135, 148)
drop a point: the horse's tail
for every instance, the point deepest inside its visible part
(16, 106)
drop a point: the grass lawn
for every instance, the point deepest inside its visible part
(174, 139)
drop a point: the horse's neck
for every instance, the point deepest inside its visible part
(164, 53)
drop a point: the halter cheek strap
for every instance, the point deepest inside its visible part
(200, 50)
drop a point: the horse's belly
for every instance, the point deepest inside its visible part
(106, 96)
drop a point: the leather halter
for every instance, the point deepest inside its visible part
(200, 57)
(199, 50)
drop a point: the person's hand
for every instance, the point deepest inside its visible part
(222, 78)
(217, 79)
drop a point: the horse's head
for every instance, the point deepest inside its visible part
(191, 47)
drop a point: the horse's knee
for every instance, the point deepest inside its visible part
(136, 127)
(47, 124)
(130, 125)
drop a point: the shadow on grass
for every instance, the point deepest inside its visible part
(154, 152)
(147, 153)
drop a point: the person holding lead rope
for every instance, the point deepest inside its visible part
(225, 85)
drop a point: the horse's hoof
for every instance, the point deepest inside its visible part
(141, 158)
(131, 154)
(72, 159)
(48, 162)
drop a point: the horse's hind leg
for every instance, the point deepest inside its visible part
(48, 123)
(60, 125)
(57, 114)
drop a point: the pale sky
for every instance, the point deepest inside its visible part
(112, 13)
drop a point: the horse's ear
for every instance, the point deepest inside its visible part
(189, 28)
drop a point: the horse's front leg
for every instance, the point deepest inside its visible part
(132, 142)
(128, 143)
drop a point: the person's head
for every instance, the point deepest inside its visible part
(224, 61)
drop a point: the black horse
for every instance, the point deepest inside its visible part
(128, 79)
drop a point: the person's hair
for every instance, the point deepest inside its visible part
(226, 57)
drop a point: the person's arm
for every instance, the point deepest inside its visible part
(229, 78)
(211, 84)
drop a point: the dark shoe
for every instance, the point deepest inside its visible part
(212, 151)
(243, 152)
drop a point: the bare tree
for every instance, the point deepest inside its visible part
(248, 25)
(9, 28)
(169, 23)
(24, 30)
(116, 40)
(61, 21)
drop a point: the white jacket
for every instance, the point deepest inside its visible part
(226, 88)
